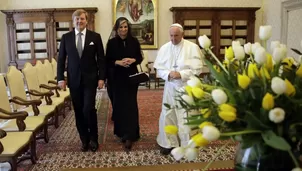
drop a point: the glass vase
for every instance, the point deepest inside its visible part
(262, 158)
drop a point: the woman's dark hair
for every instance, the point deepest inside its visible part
(117, 24)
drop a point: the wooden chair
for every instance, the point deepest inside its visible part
(145, 68)
(44, 87)
(35, 124)
(14, 145)
(48, 108)
(51, 81)
(17, 91)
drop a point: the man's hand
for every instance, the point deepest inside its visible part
(62, 85)
(174, 75)
(100, 84)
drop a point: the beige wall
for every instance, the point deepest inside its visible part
(3, 38)
(104, 15)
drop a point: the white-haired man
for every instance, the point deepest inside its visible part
(176, 62)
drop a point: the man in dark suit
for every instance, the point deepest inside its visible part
(85, 73)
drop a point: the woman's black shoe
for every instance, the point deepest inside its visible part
(128, 145)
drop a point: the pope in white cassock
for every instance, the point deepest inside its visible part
(176, 62)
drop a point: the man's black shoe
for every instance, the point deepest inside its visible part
(85, 147)
(94, 146)
(165, 151)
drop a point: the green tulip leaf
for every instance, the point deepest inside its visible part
(277, 142)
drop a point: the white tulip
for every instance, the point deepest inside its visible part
(178, 153)
(235, 43)
(191, 144)
(265, 32)
(248, 48)
(210, 133)
(204, 41)
(191, 154)
(184, 129)
(255, 46)
(193, 112)
(284, 47)
(238, 52)
(194, 82)
(297, 169)
(274, 44)
(279, 54)
(219, 96)
(278, 85)
(188, 99)
(260, 55)
(276, 115)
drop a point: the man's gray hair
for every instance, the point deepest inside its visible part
(178, 26)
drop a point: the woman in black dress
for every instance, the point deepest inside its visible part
(123, 55)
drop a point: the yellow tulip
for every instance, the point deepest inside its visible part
(189, 90)
(205, 112)
(290, 89)
(226, 63)
(268, 101)
(243, 81)
(264, 73)
(229, 53)
(171, 129)
(299, 71)
(269, 62)
(217, 68)
(288, 63)
(227, 108)
(203, 124)
(252, 71)
(197, 92)
(199, 140)
(227, 116)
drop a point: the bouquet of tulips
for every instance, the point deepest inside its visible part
(254, 96)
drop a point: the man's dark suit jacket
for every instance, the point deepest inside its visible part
(90, 67)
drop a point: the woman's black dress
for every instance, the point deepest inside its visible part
(124, 94)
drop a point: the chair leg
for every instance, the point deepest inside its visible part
(13, 163)
(33, 153)
(46, 138)
(57, 118)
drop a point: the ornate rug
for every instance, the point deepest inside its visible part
(63, 149)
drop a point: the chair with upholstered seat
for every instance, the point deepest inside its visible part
(15, 82)
(50, 77)
(44, 87)
(32, 83)
(35, 124)
(14, 145)
(143, 67)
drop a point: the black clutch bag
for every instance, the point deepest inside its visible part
(139, 77)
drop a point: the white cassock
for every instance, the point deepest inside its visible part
(185, 58)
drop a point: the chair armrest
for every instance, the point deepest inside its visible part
(52, 82)
(19, 116)
(56, 88)
(46, 94)
(33, 103)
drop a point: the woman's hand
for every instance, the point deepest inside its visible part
(122, 63)
(129, 61)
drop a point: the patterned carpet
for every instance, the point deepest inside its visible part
(63, 149)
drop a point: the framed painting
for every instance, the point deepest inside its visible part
(142, 14)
